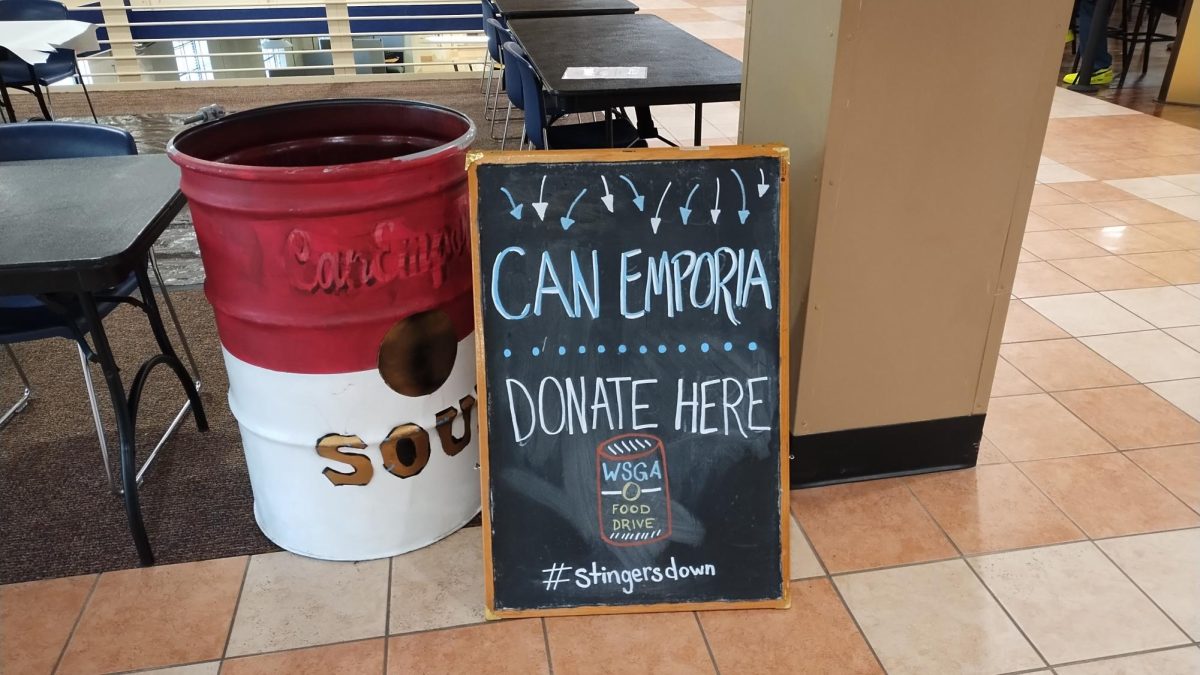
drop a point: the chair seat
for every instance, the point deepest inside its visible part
(23, 318)
(593, 135)
(16, 72)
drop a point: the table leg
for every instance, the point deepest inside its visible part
(168, 351)
(699, 122)
(125, 429)
(608, 126)
(645, 122)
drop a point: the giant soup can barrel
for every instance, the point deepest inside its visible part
(335, 244)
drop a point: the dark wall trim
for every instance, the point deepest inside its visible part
(880, 452)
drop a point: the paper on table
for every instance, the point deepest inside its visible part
(34, 41)
(605, 73)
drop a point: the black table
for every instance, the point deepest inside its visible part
(681, 68)
(540, 9)
(70, 229)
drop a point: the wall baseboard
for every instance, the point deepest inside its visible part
(881, 452)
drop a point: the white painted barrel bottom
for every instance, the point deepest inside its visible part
(282, 416)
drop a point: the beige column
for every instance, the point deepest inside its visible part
(124, 57)
(916, 128)
(337, 14)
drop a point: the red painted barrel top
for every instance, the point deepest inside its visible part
(322, 223)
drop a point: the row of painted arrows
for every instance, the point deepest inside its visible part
(639, 201)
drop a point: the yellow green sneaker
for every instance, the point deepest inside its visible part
(1102, 76)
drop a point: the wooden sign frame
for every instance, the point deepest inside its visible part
(476, 159)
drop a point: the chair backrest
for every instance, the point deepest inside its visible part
(512, 81)
(61, 140)
(31, 10)
(535, 109)
(513, 84)
(490, 21)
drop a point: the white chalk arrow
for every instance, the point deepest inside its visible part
(516, 208)
(762, 183)
(608, 197)
(638, 200)
(743, 214)
(716, 212)
(685, 210)
(656, 221)
(540, 205)
(566, 221)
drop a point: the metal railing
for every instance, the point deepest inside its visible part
(171, 43)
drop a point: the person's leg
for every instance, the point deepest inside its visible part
(1102, 69)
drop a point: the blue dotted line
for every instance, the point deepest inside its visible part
(642, 349)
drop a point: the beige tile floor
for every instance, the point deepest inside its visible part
(1073, 548)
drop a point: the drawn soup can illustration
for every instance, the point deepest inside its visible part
(634, 495)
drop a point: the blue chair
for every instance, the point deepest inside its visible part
(512, 82)
(24, 318)
(516, 99)
(63, 140)
(493, 57)
(489, 59)
(543, 136)
(33, 79)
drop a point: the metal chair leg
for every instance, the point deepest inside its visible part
(487, 93)
(491, 78)
(495, 110)
(191, 362)
(1151, 30)
(95, 405)
(491, 111)
(6, 103)
(22, 402)
(187, 348)
(507, 117)
(166, 436)
(86, 94)
(483, 77)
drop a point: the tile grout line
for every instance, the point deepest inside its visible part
(975, 573)
(1112, 657)
(387, 616)
(1093, 542)
(704, 636)
(237, 605)
(546, 642)
(1184, 633)
(1058, 506)
(1029, 671)
(437, 629)
(1071, 335)
(1101, 294)
(1157, 481)
(1118, 450)
(1091, 428)
(285, 650)
(78, 618)
(812, 547)
(150, 669)
(854, 619)
(1135, 383)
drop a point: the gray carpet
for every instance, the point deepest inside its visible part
(57, 517)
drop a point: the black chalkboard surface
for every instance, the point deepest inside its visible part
(631, 308)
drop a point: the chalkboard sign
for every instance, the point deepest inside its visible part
(631, 309)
